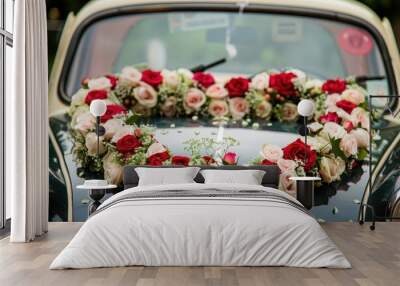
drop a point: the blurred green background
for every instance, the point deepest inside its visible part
(58, 10)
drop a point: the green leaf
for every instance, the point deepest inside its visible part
(362, 154)
(133, 119)
(336, 149)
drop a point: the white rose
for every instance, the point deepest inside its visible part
(330, 102)
(315, 126)
(99, 83)
(216, 91)
(84, 121)
(300, 78)
(348, 145)
(313, 84)
(286, 165)
(112, 170)
(260, 81)
(155, 148)
(333, 130)
(79, 97)
(343, 115)
(186, 73)
(353, 95)
(238, 107)
(319, 144)
(91, 144)
(194, 99)
(361, 136)
(146, 95)
(289, 112)
(271, 152)
(287, 185)
(218, 108)
(263, 109)
(169, 106)
(331, 169)
(131, 74)
(112, 126)
(170, 78)
(360, 116)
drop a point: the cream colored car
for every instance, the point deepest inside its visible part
(326, 39)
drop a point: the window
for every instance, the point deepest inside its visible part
(6, 43)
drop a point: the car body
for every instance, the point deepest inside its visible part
(67, 203)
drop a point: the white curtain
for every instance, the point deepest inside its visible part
(27, 123)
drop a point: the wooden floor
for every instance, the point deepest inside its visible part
(375, 257)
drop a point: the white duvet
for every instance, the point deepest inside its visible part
(200, 231)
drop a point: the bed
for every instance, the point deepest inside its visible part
(198, 224)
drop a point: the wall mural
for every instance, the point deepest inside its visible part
(337, 145)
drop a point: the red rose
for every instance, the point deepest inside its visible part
(237, 86)
(180, 160)
(266, 162)
(112, 110)
(204, 79)
(113, 80)
(128, 144)
(334, 86)
(283, 83)
(95, 94)
(208, 160)
(158, 158)
(330, 117)
(346, 105)
(299, 151)
(229, 158)
(153, 78)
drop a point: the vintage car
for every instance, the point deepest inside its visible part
(325, 39)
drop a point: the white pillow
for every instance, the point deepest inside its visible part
(166, 176)
(248, 177)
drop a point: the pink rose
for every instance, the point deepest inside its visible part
(271, 153)
(216, 91)
(112, 126)
(238, 107)
(330, 102)
(361, 136)
(146, 95)
(194, 99)
(360, 117)
(229, 158)
(169, 107)
(353, 95)
(286, 165)
(263, 109)
(348, 145)
(84, 122)
(170, 78)
(130, 74)
(218, 108)
(287, 185)
(333, 130)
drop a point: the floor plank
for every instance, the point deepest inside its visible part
(374, 255)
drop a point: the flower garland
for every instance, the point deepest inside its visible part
(338, 138)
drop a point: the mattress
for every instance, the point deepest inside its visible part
(201, 225)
